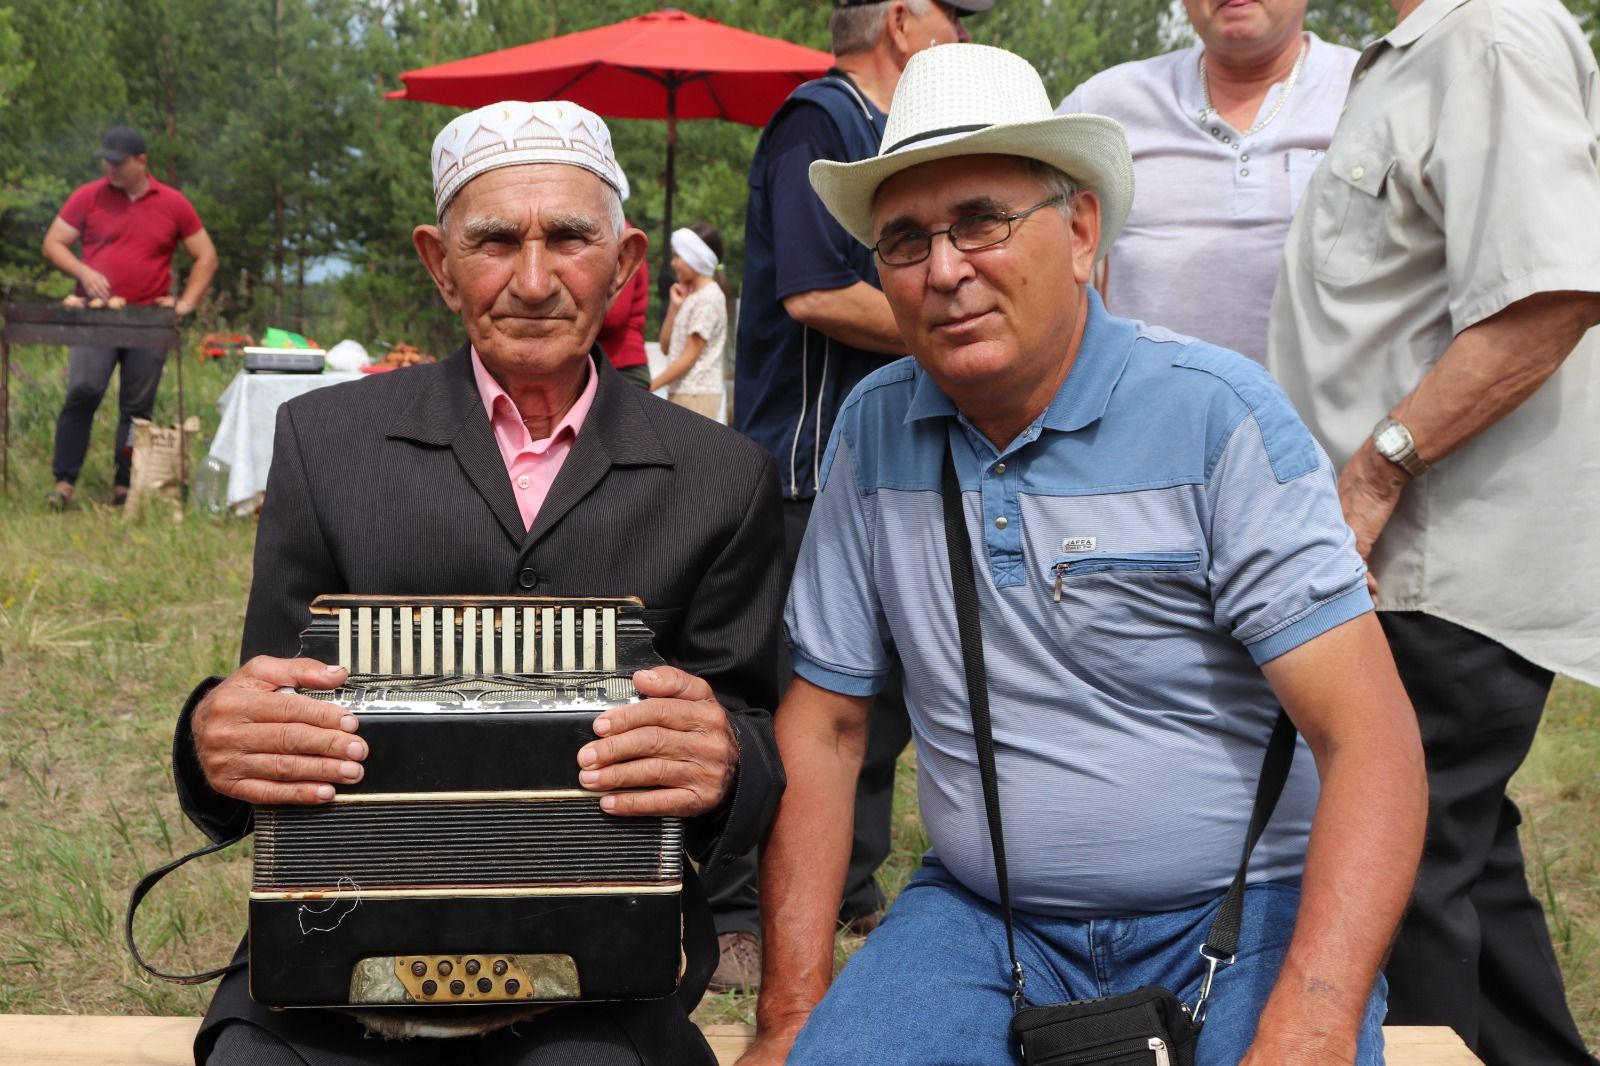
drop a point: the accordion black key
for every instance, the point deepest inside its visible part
(468, 867)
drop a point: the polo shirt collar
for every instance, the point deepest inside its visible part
(1082, 399)
(1428, 15)
(152, 188)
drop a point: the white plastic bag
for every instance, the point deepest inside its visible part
(347, 355)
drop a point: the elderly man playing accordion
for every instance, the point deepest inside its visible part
(523, 464)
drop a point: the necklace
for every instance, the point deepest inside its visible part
(1283, 97)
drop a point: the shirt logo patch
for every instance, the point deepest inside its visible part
(1077, 544)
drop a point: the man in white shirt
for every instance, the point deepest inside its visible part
(1434, 327)
(1224, 136)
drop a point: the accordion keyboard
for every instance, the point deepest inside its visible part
(409, 640)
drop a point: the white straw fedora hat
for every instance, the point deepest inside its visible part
(970, 99)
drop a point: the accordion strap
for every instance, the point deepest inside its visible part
(1223, 938)
(142, 889)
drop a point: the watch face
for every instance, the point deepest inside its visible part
(1391, 440)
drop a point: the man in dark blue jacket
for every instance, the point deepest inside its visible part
(812, 323)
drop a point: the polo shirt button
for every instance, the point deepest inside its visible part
(528, 579)
(1357, 173)
(1245, 158)
(1000, 523)
(1244, 172)
(999, 468)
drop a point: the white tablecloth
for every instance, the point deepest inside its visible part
(249, 407)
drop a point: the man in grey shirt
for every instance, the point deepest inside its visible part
(1224, 137)
(1444, 266)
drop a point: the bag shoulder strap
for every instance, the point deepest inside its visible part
(142, 889)
(1223, 938)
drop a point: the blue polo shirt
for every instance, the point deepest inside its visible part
(1162, 529)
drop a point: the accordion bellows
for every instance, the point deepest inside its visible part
(468, 868)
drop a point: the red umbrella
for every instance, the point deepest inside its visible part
(666, 64)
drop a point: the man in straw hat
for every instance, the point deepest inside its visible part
(1160, 564)
(522, 464)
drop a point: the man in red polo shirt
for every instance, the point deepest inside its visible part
(129, 225)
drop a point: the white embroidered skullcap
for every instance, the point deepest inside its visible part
(688, 246)
(514, 132)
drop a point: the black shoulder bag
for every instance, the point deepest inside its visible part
(1148, 1026)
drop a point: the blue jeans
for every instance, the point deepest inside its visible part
(931, 986)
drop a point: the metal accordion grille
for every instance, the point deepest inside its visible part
(462, 845)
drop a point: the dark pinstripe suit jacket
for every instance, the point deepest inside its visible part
(395, 485)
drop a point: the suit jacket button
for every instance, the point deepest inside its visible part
(528, 579)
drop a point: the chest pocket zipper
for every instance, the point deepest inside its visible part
(1079, 563)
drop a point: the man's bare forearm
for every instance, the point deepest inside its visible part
(822, 739)
(1366, 839)
(199, 280)
(1492, 367)
(60, 256)
(1359, 872)
(857, 315)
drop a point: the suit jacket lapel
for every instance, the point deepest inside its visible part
(449, 413)
(617, 432)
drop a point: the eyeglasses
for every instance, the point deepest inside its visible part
(970, 234)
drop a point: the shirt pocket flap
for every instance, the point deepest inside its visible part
(1349, 211)
(1366, 170)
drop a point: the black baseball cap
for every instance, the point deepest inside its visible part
(963, 7)
(119, 144)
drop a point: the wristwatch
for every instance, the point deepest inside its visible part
(1393, 441)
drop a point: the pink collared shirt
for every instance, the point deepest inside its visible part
(531, 464)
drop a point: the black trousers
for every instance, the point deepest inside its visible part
(88, 377)
(1473, 952)
(734, 903)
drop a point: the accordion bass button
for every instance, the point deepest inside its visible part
(457, 988)
(419, 968)
(472, 966)
(429, 988)
(499, 967)
(445, 966)
(513, 986)
(485, 985)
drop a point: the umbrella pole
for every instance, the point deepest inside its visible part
(664, 282)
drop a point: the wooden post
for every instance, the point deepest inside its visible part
(183, 432)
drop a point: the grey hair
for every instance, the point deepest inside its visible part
(1056, 182)
(613, 212)
(857, 29)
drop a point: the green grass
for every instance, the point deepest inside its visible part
(106, 623)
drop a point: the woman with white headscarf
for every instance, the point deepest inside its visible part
(696, 324)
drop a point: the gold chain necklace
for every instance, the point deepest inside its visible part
(1283, 97)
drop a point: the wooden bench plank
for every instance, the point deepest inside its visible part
(63, 1039)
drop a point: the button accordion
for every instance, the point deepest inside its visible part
(467, 867)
